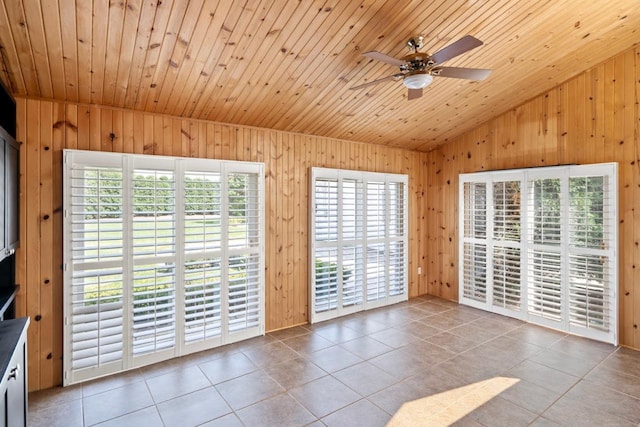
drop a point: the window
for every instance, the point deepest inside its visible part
(162, 256)
(358, 241)
(540, 245)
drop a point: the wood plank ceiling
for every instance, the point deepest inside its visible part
(288, 65)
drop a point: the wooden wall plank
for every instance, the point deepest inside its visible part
(36, 37)
(84, 13)
(125, 50)
(31, 280)
(61, 134)
(13, 76)
(143, 35)
(53, 40)
(45, 219)
(634, 163)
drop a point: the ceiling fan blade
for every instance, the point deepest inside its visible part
(464, 73)
(456, 48)
(414, 94)
(384, 58)
(373, 82)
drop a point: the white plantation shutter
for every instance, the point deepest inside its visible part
(244, 266)
(591, 268)
(352, 224)
(542, 246)
(376, 272)
(507, 292)
(358, 242)
(545, 249)
(376, 259)
(202, 256)
(96, 294)
(326, 283)
(397, 266)
(353, 276)
(326, 215)
(507, 247)
(474, 265)
(326, 224)
(545, 284)
(376, 210)
(154, 259)
(474, 240)
(163, 256)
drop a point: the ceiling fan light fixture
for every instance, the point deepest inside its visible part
(417, 81)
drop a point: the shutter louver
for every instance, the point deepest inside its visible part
(376, 210)
(376, 272)
(589, 264)
(203, 299)
(154, 257)
(397, 268)
(326, 211)
(545, 251)
(351, 209)
(475, 210)
(475, 271)
(203, 262)
(545, 212)
(326, 279)
(507, 291)
(154, 306)
(588, 205)
(396, 210)
(97, 281)
(243, 233)
(244, 292)
(545, 284)
(352, 276)
(589, 303)
(506, 211)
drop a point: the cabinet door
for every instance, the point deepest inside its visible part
(12, 193)
(16, 409)
(3, 214)
(3, 409)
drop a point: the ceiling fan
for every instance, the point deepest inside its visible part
(418, 69)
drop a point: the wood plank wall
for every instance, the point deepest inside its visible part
(592, 118)
(45, 128)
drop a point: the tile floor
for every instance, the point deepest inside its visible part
(423, 362)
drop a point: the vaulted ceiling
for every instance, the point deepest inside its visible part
(289, 65)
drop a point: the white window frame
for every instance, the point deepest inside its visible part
(363, 241)
(525, 176)
(179, 167)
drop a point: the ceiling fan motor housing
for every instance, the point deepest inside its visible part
(417, 62)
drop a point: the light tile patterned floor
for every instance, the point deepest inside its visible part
(424, 362)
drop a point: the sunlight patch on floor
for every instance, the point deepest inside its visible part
(444, 409)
